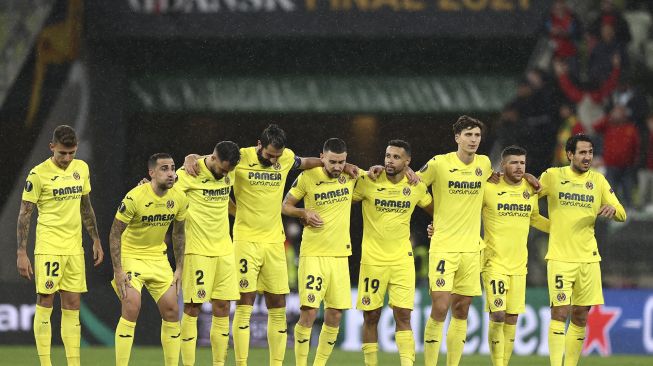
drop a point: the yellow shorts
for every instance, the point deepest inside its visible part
(59, 272)
(261, 267)
(206, 278)
(574, 283)
(458, 273)
(154, 274)
(324, 279)
(504, 292)
(397, 280)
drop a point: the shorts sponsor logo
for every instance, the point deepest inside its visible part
(342, 179)
(527, 195)
(170, 204)
(276, 166)
(498, 303)
(49, 284)
(243, 283)
(440, 282)
(76, 176)
(479, 172)
(561, 297)
(311, 298)
(406, 191)
(201, 294)
(366, 300)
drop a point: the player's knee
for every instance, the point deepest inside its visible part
(45, 300)
(372, 317)
(439, 310)
(579, 315)
(221, 308)
(246, 298)
(308, 315)
(170, 313)
(460, 307)
(559, 313)
(332, 317)
(498, 316)
(70, 300)
(275, 300)
(402, 317)
(130, 309)
(192, 309)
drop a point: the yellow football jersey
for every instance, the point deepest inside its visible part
(259, 193)
(508, 211)
(148, 217)
(387, 208)
(457, 199)
(574, 201)
(331, 199)
(57, 194)
(207, 224)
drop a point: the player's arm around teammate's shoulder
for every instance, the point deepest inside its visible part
(22, 232)
(296, 194)
(90, 223)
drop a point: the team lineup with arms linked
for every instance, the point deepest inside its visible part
(458, 189)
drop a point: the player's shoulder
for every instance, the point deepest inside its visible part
(79, 164)
(288, 156)
(596, 176)
(177, 193)
(311, 173)
(554, 171)
(40, 168)
(484, 159)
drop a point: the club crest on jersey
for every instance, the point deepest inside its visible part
(170, 204)
(28, 186)
(243, 283)
(526, 195)
(406, 191)
(49, 284)
(277, 166)
(201, 294)
(561, 297)
(311, 298)
(498, 303)
(122, 207)
(227, 181)
(366, 300)
(589, 185)
(342, 179)
(76, 176)
(479, 172)
(440, 282)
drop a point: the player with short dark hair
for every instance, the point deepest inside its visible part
(60, 190)
(576, 197)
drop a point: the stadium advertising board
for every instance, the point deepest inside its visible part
(164, 19)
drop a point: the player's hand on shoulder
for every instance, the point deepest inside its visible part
(533, 181)
(374, 172)
(351, 170)
(495, 177)
(607, 211)
(413, 178)
(312, 218)
(24, 265)
(430, 230)
(191, 166)
(143, 181)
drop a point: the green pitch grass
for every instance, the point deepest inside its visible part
(153, 356)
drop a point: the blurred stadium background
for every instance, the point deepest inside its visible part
(135, 77)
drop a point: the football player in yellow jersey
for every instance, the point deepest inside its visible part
(259, 236)
(576, 196)
(325, 248)
(209, 265)
(387, 262)
(60, 190)
(138, 253)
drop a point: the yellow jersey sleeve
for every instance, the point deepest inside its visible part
(259, 193)
(609, 198)
(331, 198)
(428, 172)
(538, 221)
(32, 189)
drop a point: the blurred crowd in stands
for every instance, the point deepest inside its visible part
(583, 82)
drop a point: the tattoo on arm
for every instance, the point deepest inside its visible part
(179, 242)
(115, 235)
(24, 220)
(88, 217)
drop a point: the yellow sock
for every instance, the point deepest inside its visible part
(406, 345)
(171, 342)
(573, 344)
(71, 335)
(432, 341)
(456, 338)
(124, 338)
(219, 339)
(302, 344)
(277, 335)
(188, 339)
(328, 337)
(556, 342)
(509, 341)
(43, 333)
(240, 330)
(369, 352)
(496, 342)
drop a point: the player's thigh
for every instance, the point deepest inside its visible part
(442, 270)
(561, 277)
(338, 291)
(197, 278)
(158, 279)
(48, 271)
(312, 281)
(516, 299)
(467, 281)
(273, 277)
(401, 286)
(135, 269)
(372, 286)
(225, 282)
(496, 291)
(73, 276)
(588, 289)
(249, 258)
